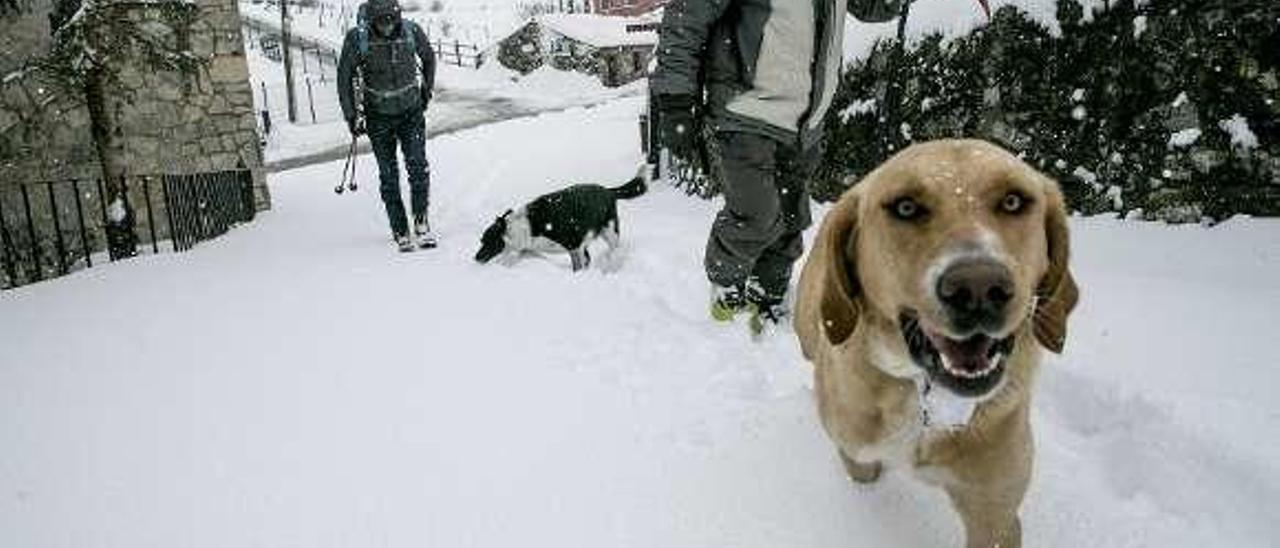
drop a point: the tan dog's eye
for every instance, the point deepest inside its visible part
(1014, 203)
(906, 209)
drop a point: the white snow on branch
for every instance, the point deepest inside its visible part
(1241, 136)
(15, 75)
(862, 106)
(1139, 25)
(1185, 138)
(1090, 178)
(1116, 195)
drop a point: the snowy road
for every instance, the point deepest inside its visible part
(296, 383)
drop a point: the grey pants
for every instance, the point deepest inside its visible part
(759, 233)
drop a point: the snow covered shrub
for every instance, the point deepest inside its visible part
(1167, 107)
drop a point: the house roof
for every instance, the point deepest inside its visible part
(600, 31)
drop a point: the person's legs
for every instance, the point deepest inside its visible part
(749, 222)
(413, 144)
(382, 135)
(773, 268)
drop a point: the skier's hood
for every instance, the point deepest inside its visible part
(384, 8)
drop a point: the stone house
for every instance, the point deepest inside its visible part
(615, 49)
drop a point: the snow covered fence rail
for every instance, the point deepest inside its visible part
(52, 228)
(458, 53)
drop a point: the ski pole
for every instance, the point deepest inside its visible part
(351, 183)
(348, 183)
(343, 181)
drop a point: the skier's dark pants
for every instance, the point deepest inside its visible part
(760, 230)
(409, 130)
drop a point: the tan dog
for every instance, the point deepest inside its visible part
(923, 305)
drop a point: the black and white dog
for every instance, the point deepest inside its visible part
(564, 220)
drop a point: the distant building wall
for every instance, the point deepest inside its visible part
(625, 7)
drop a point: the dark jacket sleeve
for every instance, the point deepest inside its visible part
(686, 24)
(428, 57)
(875, 11)
(347, 62)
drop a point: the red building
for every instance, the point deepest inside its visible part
(625, 7)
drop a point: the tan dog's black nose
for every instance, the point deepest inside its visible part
(975, 293)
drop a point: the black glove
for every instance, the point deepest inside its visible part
(356, 126)
(678, 125)
(426, 97)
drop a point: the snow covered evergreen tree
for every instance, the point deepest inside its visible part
(1167, 107)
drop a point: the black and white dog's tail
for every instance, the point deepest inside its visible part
(634, 188)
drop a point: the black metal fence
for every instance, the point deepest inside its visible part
(49, 229)
(206, 205)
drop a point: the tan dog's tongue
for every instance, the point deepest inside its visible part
(969, 355)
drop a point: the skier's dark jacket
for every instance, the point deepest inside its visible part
(389, 67)
(751, 58)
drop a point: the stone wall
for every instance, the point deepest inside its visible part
(522, 51)
(176, 124)
(24, 35)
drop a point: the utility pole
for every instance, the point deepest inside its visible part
(286, 47)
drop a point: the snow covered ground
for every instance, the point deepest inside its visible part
(297, 383)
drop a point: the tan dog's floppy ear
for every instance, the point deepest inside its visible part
(1057, 294)
(839, 307)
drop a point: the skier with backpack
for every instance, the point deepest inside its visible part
(391, 60)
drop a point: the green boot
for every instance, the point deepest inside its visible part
(768, 309)
(727, 302)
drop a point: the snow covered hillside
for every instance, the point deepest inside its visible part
(297, 383)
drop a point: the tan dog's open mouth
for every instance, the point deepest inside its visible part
(971, 368)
